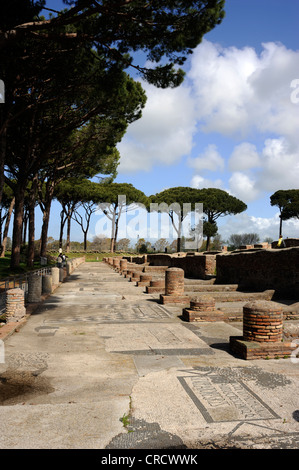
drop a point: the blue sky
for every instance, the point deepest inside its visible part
(233, 124)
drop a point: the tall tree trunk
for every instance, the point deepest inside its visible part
(46, 217)
(62, 224)
(208, 243)
(17, 225)
(280, 226)
(31, 222)
(25, 223)
(68, 231)
(179, 232)
(2, 157)
(112, 242)
(45, 227)
(31, 234)
(85, 240)
(7, 222)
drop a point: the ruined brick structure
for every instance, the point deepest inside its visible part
(260, 270)
(197, 265)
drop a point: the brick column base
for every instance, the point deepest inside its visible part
(156, 286)
(262, 333)
(202, 308)
(15, 308)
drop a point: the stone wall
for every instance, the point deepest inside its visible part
(198, 266)
(289, 242)
(260, 270)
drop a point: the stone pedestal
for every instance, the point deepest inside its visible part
(15, 305)
(69, 267)
(46, 284)
(62, 274)
(202, 308)
(55, 276)
(262, 332)
(174, 287)
(34, 288)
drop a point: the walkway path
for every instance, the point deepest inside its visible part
(100, 358)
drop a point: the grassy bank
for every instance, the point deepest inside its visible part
(6, 271)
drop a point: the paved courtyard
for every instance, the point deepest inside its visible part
(100, 364)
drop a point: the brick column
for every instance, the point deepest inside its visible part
(34, 288)
(174, 286)
(262, 321)
(15, 307)
(145, 280)
(202, 308)
(135, 276)
(116, 262)
(262, 332)
(123, 265)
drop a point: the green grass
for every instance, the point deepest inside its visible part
(6, 271)
(91, 257)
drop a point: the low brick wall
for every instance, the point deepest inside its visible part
(198, 266)
(260, 270)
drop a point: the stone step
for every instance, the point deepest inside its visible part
(199, 281)
(236, 296)
(210, 288)
(155, 269)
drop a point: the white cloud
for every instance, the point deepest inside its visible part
(280, 166)
(210, 159)
(238, 91)
(220, 81)
(243, 187)
(244, 157)
(164, 133)
(234, 92)
(263, 226)
(199, 182)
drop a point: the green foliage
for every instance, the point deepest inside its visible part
(217, 202)
(287, 201)
(68, 100)
(209, 229)
(165, 30)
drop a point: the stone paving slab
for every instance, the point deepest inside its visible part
(85, 359)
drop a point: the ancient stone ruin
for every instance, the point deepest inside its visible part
(257, 285)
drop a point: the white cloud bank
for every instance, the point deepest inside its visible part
(264, 226)
(243, 95)
(164, 133)
(233, 92)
